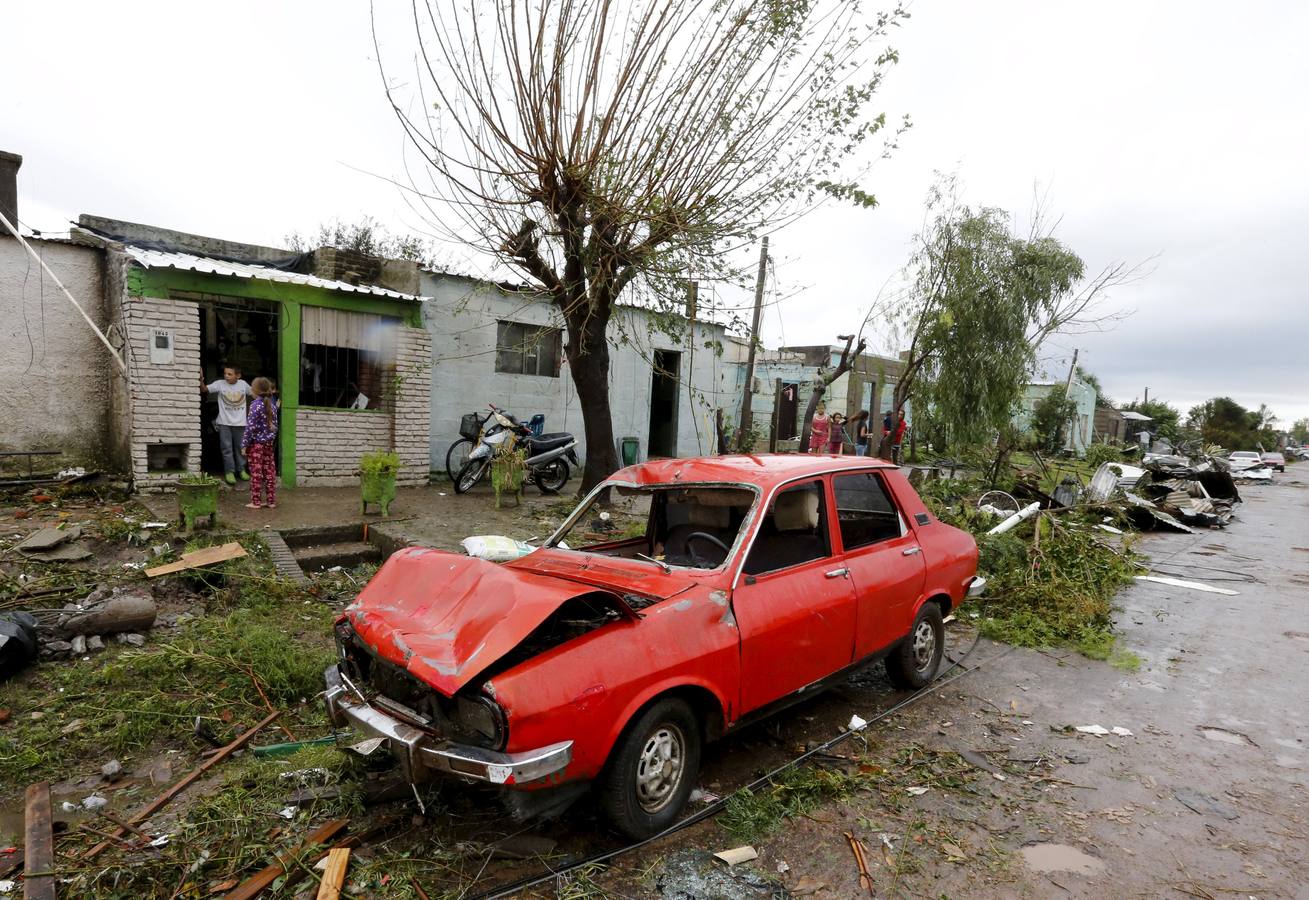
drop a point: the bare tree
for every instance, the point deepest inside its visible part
(603, 148)
(825, 380)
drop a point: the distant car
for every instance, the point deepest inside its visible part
(1276, 460)
(682, 599)
(1245, 459)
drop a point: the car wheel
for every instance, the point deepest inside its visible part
(915, 662)
(456, 456)
(652, 769)
(551, 477)
(469, 475)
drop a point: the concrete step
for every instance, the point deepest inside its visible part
(346, 553)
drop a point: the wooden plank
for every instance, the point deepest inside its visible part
(39, 844)
(198, 558)
(256, 883)
(334, 875)
(163, 799)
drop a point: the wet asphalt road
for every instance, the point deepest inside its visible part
(1209, 797)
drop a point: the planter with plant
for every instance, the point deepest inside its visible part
(508, 469)
(197, 497)
(377, 472)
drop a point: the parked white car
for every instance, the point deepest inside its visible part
(1245, 459)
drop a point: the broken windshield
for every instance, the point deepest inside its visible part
(681, 526)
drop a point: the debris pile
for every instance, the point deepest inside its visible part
(1171, 492)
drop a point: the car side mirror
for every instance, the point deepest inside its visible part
(749, 579)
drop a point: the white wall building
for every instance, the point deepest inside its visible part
(495, 344)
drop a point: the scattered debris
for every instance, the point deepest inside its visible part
(262, 879)
(737, 855)
(1101, 731)
(495, 547)
(1022, 515)
(338, 859)
(286, 749)
(860, 857)
(856, 724)
(701, 796)
(916, 791)
(163, 799)
(1193, 585)
(39, 862)
(18, 642)
(54, 545)
(1204, 804)
(199, 558)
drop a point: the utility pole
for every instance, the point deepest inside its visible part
(1072, 420)
(1147, 396)
(744, 422)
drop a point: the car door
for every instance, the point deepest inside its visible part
(794, 603)
(881, 551)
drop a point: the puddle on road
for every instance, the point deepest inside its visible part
(1222, 735)
(1060, 858)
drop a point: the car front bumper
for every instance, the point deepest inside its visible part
(977, 586)
(421, 754)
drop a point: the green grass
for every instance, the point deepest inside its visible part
(259, 640)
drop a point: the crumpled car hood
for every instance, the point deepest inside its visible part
(445, 618)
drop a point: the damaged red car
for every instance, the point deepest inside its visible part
(681, 600)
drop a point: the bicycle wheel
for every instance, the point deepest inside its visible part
(456, 456)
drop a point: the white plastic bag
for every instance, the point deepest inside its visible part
(495, 547)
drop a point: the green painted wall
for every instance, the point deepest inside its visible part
(163, 282)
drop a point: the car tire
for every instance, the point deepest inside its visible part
(638, 792)
(914, 663)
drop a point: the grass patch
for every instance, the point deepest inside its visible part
(258, 646)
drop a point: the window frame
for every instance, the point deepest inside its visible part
(824, 480)
(533, 337)
(890, 496)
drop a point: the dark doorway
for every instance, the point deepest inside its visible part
(787, 412)
(236, 332)
(663, 404)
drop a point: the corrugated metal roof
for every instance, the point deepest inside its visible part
(157, 259)
(1134, 416)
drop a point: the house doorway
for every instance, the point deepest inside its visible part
(663, 404)
(788, 411)
(238, 332)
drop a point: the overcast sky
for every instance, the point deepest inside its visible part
(1168, 130)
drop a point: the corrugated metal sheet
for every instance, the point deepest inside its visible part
(157, 259)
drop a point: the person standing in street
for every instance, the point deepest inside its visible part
(836, 435)
(819, 428)
(897, 438)
(232, 392)
(858, 428)
(257, 442)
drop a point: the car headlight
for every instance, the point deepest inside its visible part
(481, 721)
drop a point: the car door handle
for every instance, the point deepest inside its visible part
(910, 551)
(837, 573)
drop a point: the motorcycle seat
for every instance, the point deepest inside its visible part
(549, 442)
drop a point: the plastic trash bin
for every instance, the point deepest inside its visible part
(629, 450)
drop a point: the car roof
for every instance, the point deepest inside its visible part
(762, 469)
(1245, 452)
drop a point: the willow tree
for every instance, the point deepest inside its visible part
(606, 149)
(978, 303)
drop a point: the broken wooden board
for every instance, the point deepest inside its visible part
(39, 846)
(338, 859)
(197, 559)
(254, 885)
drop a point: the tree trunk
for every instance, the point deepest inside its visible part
(821, 388)
(588, 360)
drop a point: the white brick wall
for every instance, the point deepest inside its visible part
(164, 397)
(329, 442)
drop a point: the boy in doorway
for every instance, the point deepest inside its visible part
(232, 392)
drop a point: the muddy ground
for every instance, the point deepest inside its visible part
(981, 788)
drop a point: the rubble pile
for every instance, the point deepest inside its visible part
(1169, 491)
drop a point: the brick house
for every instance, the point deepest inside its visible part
(341, 334)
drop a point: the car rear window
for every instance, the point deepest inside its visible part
(864, 510)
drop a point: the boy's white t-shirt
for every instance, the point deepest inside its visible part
(231, 401)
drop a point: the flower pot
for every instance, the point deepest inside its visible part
(195, 501)
(377, 488)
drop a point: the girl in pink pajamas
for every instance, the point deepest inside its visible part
(260, 435)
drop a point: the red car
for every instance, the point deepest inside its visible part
(682, 599)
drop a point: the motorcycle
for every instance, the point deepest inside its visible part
(471, 427)
(546, 454)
